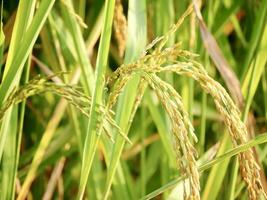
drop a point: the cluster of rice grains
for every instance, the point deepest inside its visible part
(175, 59)
(154, 60)
(70, 93)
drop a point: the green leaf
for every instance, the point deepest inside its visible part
(136, 41)
(9, 124)
(227, 155)
(95, 120)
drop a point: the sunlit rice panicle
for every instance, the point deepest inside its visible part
(155, 63)
(231, 114)
(120, 27)
(157, 59)
(141, 90)
(176, 103)
(181, 125)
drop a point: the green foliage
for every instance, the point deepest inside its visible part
(154, 77)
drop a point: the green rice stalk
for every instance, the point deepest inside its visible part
(95, 123)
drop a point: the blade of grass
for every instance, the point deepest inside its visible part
(46, 138)
(21, 55)
(94, 131)
(87, 70)
(81, 8)
(212, 186)
(9, 124)
(233, 180)
(136, 41)
(162, 128)
(25, 78)
(88, 78)
(8, 159)
(264, 88)
(143, 153)
(48, 48)
(254, 76)
(70, 49)
(223, 17)
(259, 62)
(257, 30)
(219, 60)
(11, 152)
(27, 42)
(52, 125)
(262, 138)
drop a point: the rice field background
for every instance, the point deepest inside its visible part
(137, 99)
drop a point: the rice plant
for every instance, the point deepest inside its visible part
(117, 99)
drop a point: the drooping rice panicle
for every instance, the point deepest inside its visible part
(166, 61)
(181, 126)
(75, 97)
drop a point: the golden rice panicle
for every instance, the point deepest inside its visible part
(231, 115)
(248, 165)
(152, 63)
(120, 27)
(185, 151)
(141, 90)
